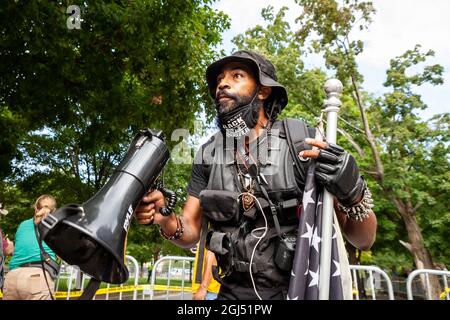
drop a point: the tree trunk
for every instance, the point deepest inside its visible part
(421, 255)
(156, 253)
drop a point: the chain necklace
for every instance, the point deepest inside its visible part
(248, 181)
(248, 184)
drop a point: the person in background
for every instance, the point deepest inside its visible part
(26, 279)
(7, 245)
(204, 287)
(6, 249)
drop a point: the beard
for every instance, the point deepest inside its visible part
(233, 102)
(237, 115)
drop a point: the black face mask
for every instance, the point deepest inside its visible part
(238, 121)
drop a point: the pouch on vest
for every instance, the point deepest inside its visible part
(220, 244)
(285, 251)
(220, 205)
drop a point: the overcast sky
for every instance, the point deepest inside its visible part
(398, 26)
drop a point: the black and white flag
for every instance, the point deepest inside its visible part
(304, 283)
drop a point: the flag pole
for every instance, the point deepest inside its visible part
(333, 89)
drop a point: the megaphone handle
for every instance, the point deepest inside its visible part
(171, 201)
(90, 290)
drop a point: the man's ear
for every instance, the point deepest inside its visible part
(264, 92)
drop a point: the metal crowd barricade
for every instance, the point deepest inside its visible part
(427, 272)
(168, 288)
(136, 275)
(136, 280)
(371, 270)
(71, 274)
(75, 275)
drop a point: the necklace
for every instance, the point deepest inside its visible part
(248, 180)
(248, 184)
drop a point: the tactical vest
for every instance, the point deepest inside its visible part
(232, 235)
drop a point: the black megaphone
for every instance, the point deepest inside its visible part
(93, 236)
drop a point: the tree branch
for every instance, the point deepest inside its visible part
(73, 164)
(417, 206)
(94, 169)
(372, 173)
(407, 245)
(351, 125)
(369, 136)
(355, 145)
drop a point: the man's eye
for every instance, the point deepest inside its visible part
(238, 75)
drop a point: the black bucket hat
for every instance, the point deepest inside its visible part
(264, 72)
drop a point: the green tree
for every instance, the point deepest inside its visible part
(394, 134)
(279, 44)
(374, 129)
(76, 97)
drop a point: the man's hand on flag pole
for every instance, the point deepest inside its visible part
(337, 170)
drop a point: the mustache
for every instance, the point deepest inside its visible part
(224, 94)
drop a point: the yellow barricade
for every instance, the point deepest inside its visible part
(102, 291)
(444, 294)
(158, 287)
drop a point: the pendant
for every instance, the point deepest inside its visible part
(247, 201)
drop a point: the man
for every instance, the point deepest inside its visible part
(7, 248)
(238, 175)
(26, 280)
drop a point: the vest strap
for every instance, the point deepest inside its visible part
(273, 210)
(201, 251)
(296, 131)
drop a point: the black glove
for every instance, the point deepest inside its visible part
(337, 170)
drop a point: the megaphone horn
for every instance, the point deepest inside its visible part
(93, 235)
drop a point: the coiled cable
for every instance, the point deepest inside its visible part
(171, 199)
